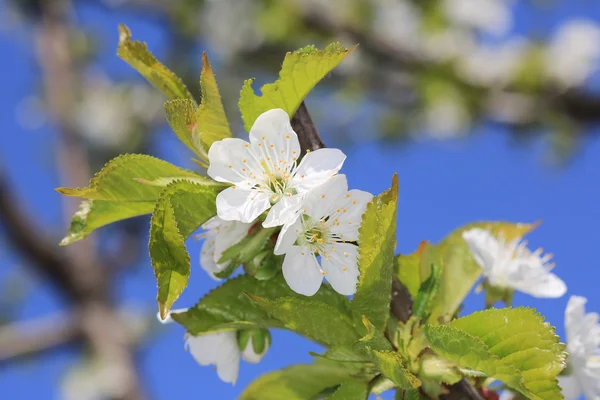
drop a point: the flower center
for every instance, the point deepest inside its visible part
(316, 235)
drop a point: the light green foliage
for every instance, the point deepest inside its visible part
(377, 240)
(350, 390)
(181, 209)
(229, 306)
(181, 115)
(211, 121)
(122, 179)
(300, 72)
(122, 189)
(93, 214)
(410, 394)
(392, 367)
(424, 298)
(459, 269)
(408, 269)
(298, 382)
(199, 127)
(313, 319)
(137, 55)
(515, 346)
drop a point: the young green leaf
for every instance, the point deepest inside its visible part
(141, 59)
(392, 367)
(228, 306)
(123, 179)
(377, 240)
(315, 320)
(410, 394)
(459, 270)
(350, 390)
(300, 72)
(199, 127)
(298, 382)
(427, 291)
(408, 269)
(211, 121)
(93, 214)
(181, 209)
(515, 346)
(122, 189)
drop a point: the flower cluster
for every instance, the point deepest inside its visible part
(319, 216)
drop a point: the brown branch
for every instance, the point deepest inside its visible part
(401, 302)
(24, 339)
(309, 138)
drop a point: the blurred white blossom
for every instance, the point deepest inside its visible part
(95, 379)
(491, 16)
(572, 55)
(494, 65)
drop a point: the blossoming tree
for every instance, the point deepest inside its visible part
(278, 207)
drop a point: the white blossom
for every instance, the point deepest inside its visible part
(492, 16)
(512, 266)
(219, 349)
(583, 346)
(324, 227)
(266, 171)
(219, 236)
(572, 55)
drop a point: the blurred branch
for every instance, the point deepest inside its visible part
(22, 339)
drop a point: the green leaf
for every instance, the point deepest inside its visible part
(315, 320)
(513, 345)
(126, 187)
(377, 240)
(300, 72)
(350, 390)
(123, 179)
(181, 116)
(408, 269)
(93, 214)
(199, 127)
(298, 382)
(228, 306)
(137, 55)
(425, 296)
(181, 209)
(410, 394)
(392, 367)
(459, 270)
(244, 251)
(211, 121)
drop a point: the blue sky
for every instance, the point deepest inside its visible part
(442, 186)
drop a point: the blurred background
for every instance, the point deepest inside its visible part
(487, 109)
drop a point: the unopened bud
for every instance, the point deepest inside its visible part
(254, 344)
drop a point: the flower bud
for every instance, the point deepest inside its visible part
(254, 344)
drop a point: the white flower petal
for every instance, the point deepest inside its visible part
(546, 285)
(288, 236)
(235, 204)
(249, 355)
(169, 320)
(273, 131)
(207, 259)
(283, 211)
(571, 388)
(484, 247)
(349, 216)
(321, 201)
(341, 269)
(232, 161)
(574, 315)
(219, 349)
(301, 271)
(317, 167)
